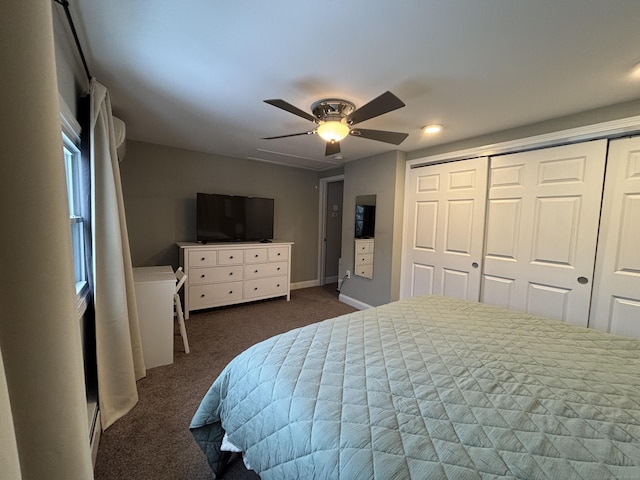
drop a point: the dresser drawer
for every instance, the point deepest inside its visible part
(202, 296)
(256, 255)
(265, 270)
(230, 257)
(278, 253)
(203, 258)
(364, 271)
(364, 259)
(261, 287)
(214, 274)
(364, 247)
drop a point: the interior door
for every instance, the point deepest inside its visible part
(444, 229)
(616, 300)
(542, 227)
(333, 231)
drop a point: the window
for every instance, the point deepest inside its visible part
(73, 166)
(78, 187)
(78, 175)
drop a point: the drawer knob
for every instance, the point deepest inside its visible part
(278, 269)
(230, 292)
(278, 253)
(255, 271)
(256, 255)
(202, 295)
(255, 288)
(202, 276)
(203, 259)
(230, 273)
(278, 285)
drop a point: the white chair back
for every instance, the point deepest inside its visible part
(180, 277)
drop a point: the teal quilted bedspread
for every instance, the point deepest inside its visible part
(430, 388)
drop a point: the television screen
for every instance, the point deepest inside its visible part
(232, 218)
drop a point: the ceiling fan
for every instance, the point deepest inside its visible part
(335, 118)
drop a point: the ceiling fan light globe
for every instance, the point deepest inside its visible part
(333, 131)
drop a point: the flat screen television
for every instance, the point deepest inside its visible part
(233, 218)
(365, 221)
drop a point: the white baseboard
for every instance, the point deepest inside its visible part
(307, 284)
(353, 302)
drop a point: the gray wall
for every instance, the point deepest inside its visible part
(72, 80)
(383, 176)
(160, 183)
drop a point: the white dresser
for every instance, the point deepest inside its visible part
(228, 273)
(363, 264)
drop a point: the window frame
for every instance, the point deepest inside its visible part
(71, 131)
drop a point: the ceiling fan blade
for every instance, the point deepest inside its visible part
(380, 135)
(311, 132)
(332, 148)
(387, 102)
(276, 102)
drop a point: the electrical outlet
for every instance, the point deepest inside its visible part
(348, 273)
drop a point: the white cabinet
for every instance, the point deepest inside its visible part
(155, 287)
(363, 263)
(221, 274)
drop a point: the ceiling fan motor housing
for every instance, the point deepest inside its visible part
(332, 109)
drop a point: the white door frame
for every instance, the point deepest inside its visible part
(322, 223)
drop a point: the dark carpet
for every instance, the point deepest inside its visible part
(153, 441)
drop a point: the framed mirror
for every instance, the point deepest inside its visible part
(365, 230)
(365, 216)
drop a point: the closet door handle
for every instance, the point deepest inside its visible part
(583, 280)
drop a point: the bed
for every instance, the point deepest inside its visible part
(429, 388)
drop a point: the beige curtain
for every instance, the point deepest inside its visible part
(118, 345)
(44, 431)
(9, 459)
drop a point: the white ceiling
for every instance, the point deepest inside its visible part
(193, 74)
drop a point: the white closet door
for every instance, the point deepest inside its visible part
(616, 298)
(542, 227)
(445, 223)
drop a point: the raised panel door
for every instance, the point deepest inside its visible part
(616, 300)
(542, 227)
(445, 229)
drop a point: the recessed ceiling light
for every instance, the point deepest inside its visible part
(431, 129)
